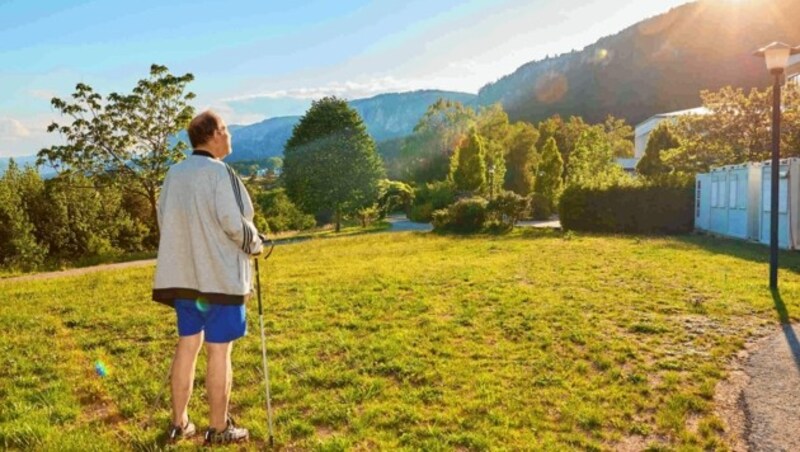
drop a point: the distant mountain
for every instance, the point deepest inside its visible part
(22, 162)
(387, 116)
(657, 65)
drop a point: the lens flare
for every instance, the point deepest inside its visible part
(202, 305)
(551, 87)
(100, 368)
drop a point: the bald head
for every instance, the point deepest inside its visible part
(209, 132)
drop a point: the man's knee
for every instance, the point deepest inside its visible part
(218, 350)
(191, 344)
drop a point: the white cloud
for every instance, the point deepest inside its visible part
(11, 129)
(42, 94)
(26, 136)
(347, 90)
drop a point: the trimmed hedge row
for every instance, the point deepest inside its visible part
(647, 209)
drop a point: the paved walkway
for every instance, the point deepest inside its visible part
(547, 224)
(771, 399)
(400, 223)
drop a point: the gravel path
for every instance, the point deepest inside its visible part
(771, 399)
(760, 399)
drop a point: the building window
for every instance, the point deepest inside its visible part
(714, 193)
(734, 191)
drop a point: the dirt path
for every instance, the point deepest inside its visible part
(760, 401)
(79, 271)
(398, 224)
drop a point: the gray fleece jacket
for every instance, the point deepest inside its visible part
(205, 217)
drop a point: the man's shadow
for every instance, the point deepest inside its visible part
(786, 326)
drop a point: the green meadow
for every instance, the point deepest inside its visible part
(532, 340)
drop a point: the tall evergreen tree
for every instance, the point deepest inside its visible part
(426, 153)
(548, 178)
(661, 139)
(468, 164)
(330, 162)
(522, 159)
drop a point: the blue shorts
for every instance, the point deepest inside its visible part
(221, 323)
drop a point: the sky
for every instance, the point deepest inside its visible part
(258, 59)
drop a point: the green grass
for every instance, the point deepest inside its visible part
(413, 341)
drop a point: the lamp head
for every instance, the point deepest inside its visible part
(776, 55)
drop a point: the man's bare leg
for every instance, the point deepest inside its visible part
(182, 380)
(219, 378)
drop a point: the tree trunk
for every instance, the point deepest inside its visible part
(338, 217)
(152, 198)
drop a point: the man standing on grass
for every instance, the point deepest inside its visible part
(203, 270)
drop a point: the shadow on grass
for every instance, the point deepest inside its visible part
(786, 326)
(754, 252)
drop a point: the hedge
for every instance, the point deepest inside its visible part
(645, 209)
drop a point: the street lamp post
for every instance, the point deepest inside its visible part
(491, 181)
(776, 56)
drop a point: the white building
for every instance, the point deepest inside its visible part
(734, 201)
(788, 203)
(644, 128)
(727, 201)
(793, 70)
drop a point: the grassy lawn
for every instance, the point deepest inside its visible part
(536, 340)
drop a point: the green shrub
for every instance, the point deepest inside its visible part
(665, 208)
(421, 213)
(465, 215)
(507, 208)
(541, 207)
(440, 219)
(429, 197)
(280, 213)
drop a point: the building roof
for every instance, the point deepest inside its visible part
(672, 114)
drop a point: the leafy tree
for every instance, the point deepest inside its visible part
(330, 161)
(395, 194)
(279, 211)
(736, 129)
(493, 126)
(548, 179)
(124, 139)
(522, 159)
(566, 134)
(82, 219)
(620, 136)
(468, 165)
(426, 153)
(18, 245)
(592, 160)
(661, 139)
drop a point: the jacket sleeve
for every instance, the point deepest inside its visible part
(229, 200)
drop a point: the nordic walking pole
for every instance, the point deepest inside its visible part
(264, 345)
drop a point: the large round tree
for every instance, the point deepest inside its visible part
(330, 162)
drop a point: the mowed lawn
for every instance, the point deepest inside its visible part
(536, 340)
